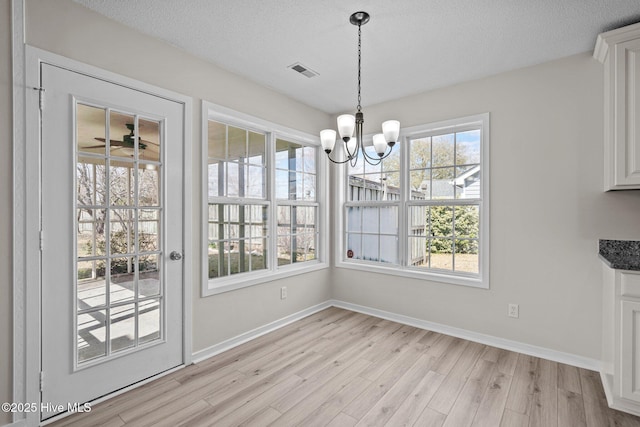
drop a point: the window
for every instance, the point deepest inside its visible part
(262, 215)
(423, 211)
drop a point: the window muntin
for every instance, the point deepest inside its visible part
(441, 210)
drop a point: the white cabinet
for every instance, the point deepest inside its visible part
(630, 351)
(619, 51)
(621, 339)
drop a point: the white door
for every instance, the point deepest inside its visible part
(112, 213)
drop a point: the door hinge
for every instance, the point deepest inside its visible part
(41, 381)
(40, 97)
(41, 241)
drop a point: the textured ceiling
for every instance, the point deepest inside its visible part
(409, 46)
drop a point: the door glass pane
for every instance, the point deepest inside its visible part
(122, 135)
(91, 335)
(149, 321)
(121, 183)
(149, 186)
(90, 132)
(149, 142)
(149, 276)
(148, 226)
(122, 283)
(90, 181)
(123, 327)
(91, 284)
(121, 231)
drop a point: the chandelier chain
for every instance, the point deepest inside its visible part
(359, 61)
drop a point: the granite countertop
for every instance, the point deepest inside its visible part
(620, 254)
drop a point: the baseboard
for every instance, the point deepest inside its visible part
(519, 347)
(614, 401)
(531, 350)
(208, 352)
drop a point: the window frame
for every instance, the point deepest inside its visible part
(272, 131)
(479, 121)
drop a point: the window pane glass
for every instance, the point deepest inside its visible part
(257, 249)
(370, 220)
(354, 246)
(418, 254)
(441, 221)
(216, 179)
(257, 148)
(467, 182)
(236, 144)
(389, 220)
(466, 256)
(389, 249)
(442, 183)
(420, 153)
(217, 134)
(441, 255)
(442, 150)
(354, 219)
(468, 147)
(370, 247)
(419, 220)
(467, 222)
(254, 182)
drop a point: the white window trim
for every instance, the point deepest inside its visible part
(454, 125)
(211, 111)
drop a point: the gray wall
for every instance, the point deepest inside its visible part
(6, 188)
(548, 209)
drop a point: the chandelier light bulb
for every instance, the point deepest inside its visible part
(391, 131)
(346, 125)
(328, 140)
(379, 144)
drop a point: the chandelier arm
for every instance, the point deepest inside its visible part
(337, 162)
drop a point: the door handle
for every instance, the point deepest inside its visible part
(175, 255)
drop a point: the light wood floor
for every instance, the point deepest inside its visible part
(339, 368)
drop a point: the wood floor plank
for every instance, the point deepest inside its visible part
(456, 379)
(514, 419)
(445, 363)
(318, 395)
(569, 378)
(430, 418)
(570, 409)
(466, 405)
(385, 408)
(316, 371)
(253, 406)
(372, 394)
(330, 408)
(412, 407)
(263, 418)
(544, 406)
(522, 385)
(491, 407)
(342, 420)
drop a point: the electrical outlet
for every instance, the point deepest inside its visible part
(514, 310)
(283, 292)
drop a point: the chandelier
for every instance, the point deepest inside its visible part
(349, 124)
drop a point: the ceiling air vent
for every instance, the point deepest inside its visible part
(305, 71)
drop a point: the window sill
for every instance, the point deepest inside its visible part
(227, 284)
(415, 274)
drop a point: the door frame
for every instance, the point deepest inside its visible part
(27, 215)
